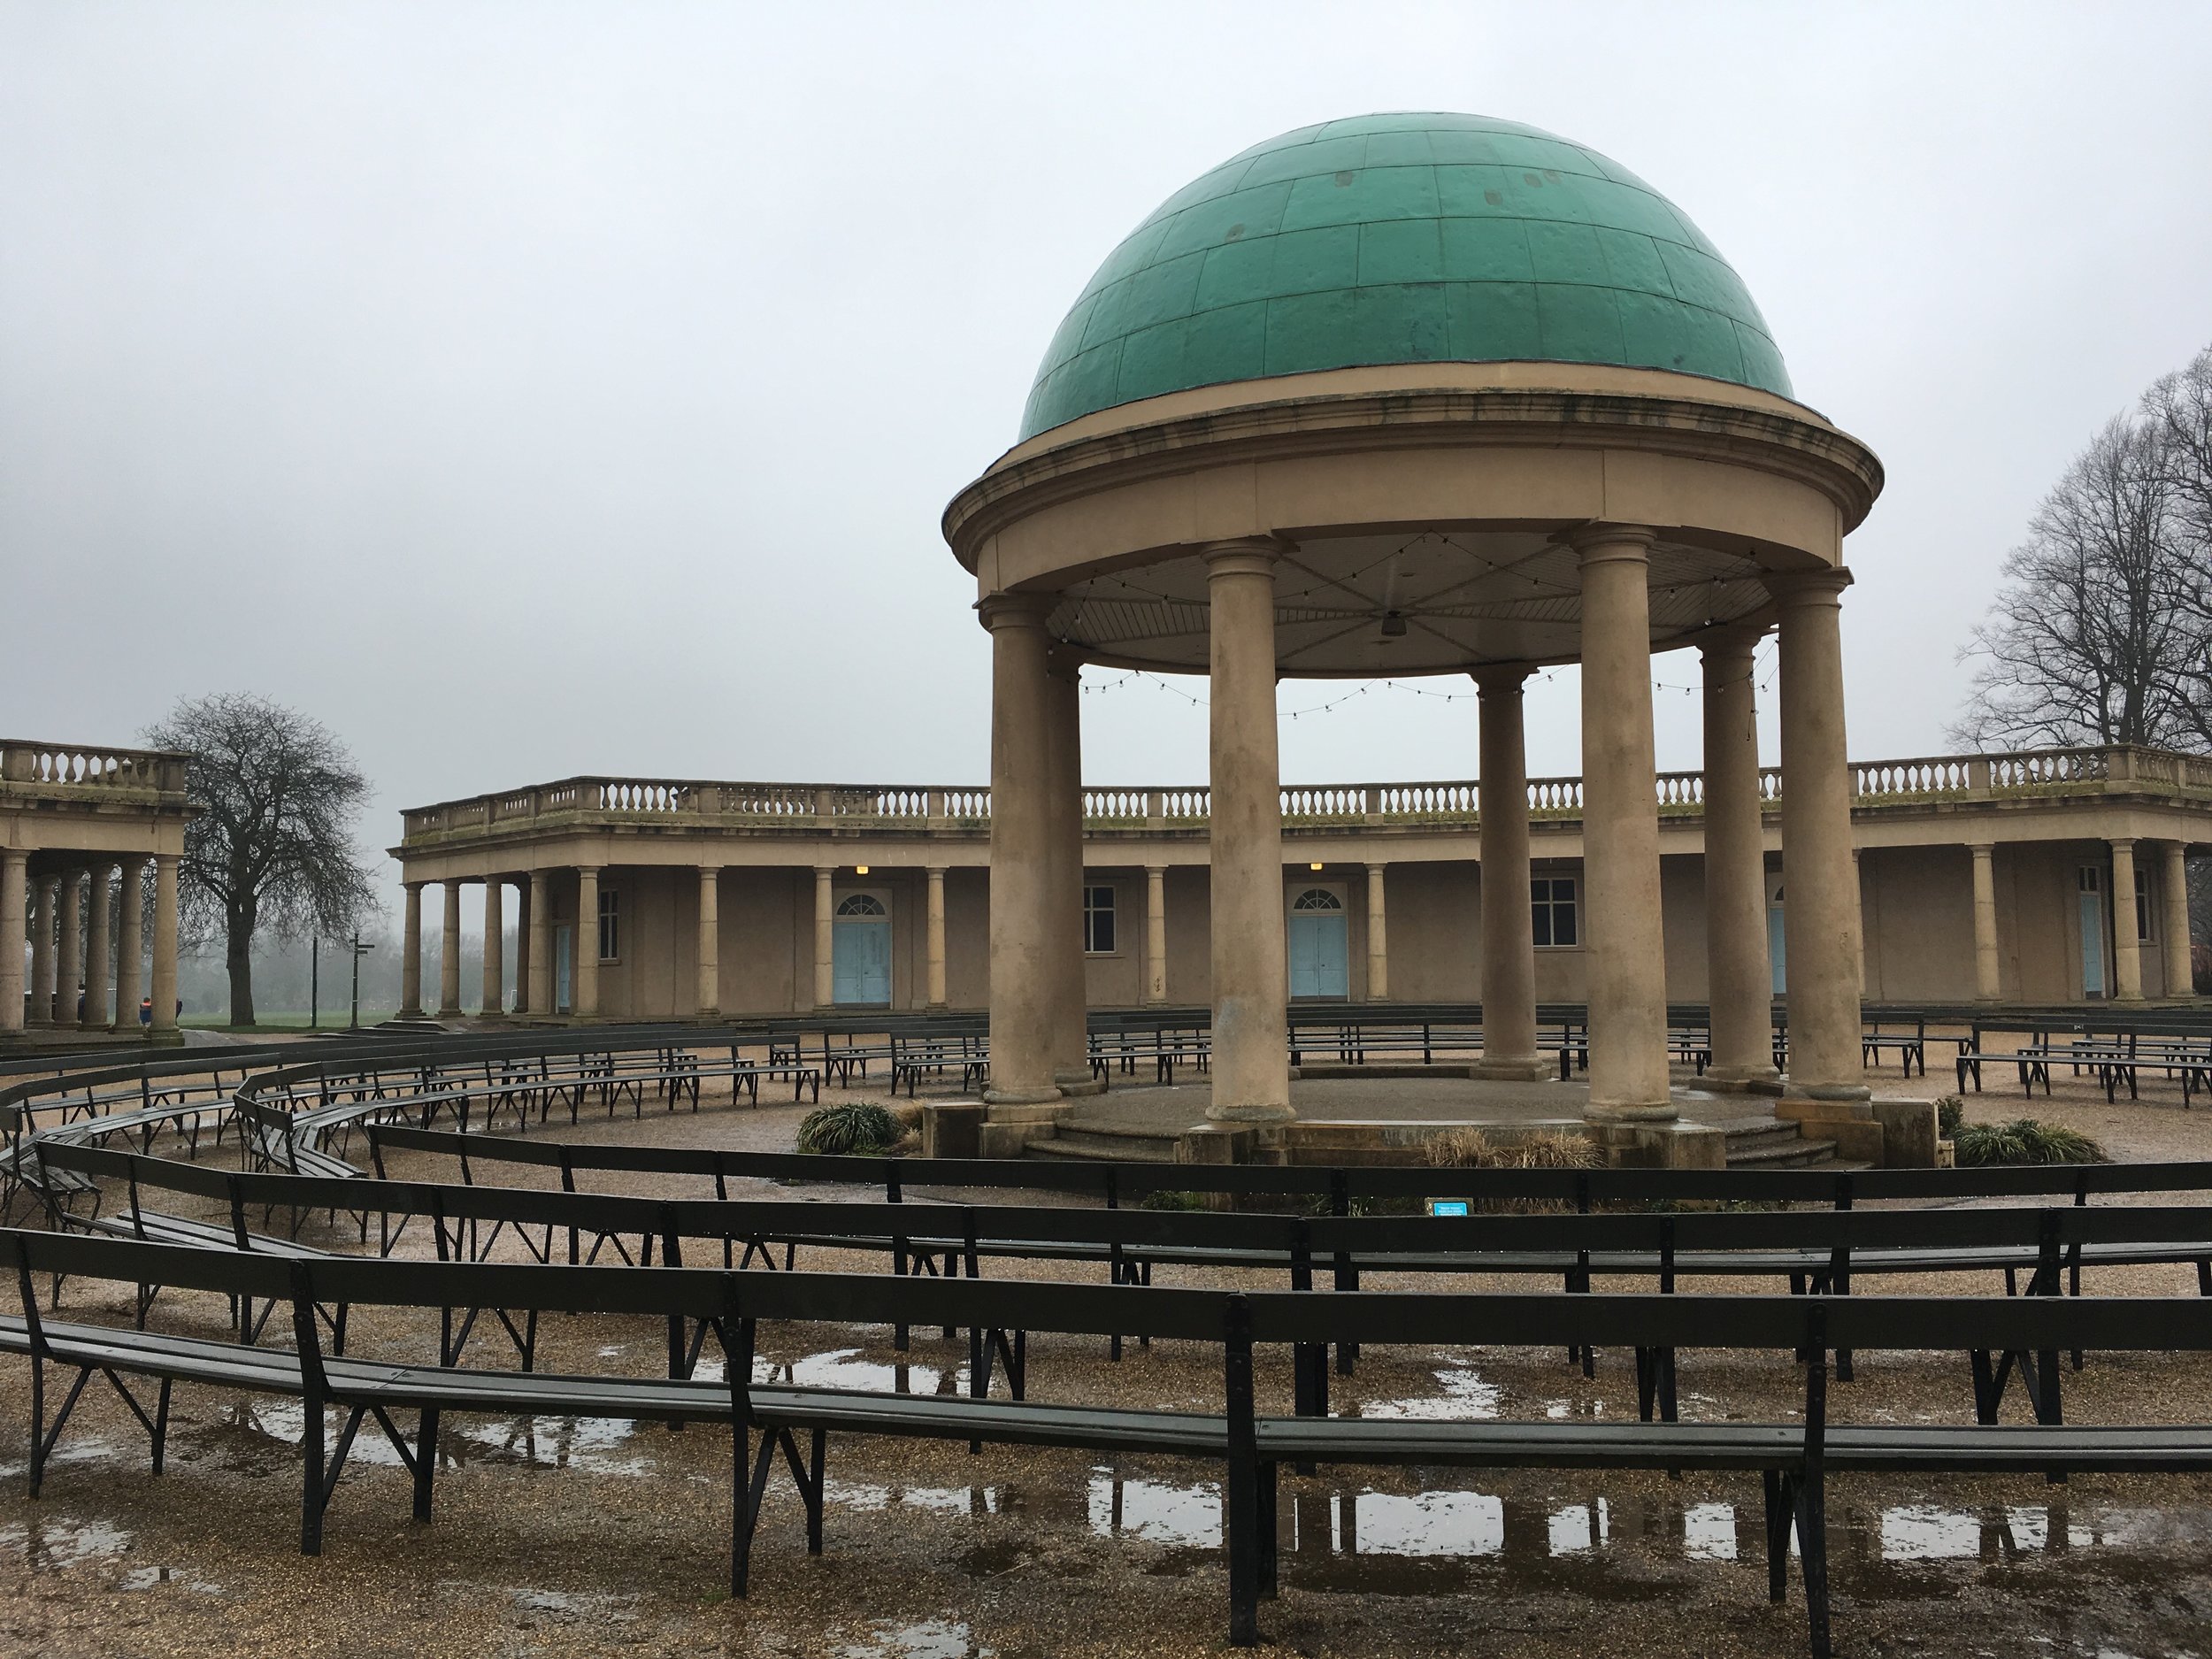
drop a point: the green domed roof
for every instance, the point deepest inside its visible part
(1403, 239)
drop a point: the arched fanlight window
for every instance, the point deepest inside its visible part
(1316, 899)
(862, 905)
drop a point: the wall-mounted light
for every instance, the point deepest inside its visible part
(1313, 866)
(860, 869)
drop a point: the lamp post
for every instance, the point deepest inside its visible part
(314, 977)
(360, 951)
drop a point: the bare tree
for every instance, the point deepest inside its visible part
(2095, 637)
(2179, 409)
(274, 846)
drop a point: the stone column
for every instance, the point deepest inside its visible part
(527, 977)
(2174, 891)
(494, 948)
(69, 951)
(1740, 981)
(935, 943)
(1022, 911)
(130, 944)
(164, 987)
(1986, 979)
(14, 896)
(409, 953)
(1377, 937)
(1623, 947)
(586, 950)
(2127, 941)
(710, 942)
(1154, 935)
(824, 939)
(47, 900)
(1251, 982)
(99, 960)
(1821, 920)
(1070, 990)
(540, 916)
(1509, 937)
(449, 955)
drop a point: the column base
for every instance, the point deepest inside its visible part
(1530, 1071)
(410, 1013)
(1743, 1080)
(1082, 1083)
(1793, 1089)
(449, 1013)
(1220, 1114)
(936, 1008)
(1652, 1114)
(704, 1013)
(1013, 1097)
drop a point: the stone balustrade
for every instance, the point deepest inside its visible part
(31, 767)
(1903, 783)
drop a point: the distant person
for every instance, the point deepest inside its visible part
(146, 1011)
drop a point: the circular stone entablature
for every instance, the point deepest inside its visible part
(1421, 352)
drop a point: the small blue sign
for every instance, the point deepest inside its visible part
(1448, 1206)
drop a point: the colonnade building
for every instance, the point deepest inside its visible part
(79, 830)
(2048, 877)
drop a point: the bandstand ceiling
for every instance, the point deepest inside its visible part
(1385, 605)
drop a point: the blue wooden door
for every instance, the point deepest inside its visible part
(860, 952)
(1320, 964)
(1776, 934)
(2091, 886)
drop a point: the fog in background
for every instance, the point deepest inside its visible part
(532, 390)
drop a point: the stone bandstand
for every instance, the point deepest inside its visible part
(1427, 394)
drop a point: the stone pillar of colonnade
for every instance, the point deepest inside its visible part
(14, 883)
(410, 952)
(130, 944)
(1738, 978)
(526, 979)
(1625, 946)
(45, 901)
(99, 960)
(1063, 935)
(1821, 922)
(710, 989)
(2127, 946)
(933, 912)
(1154, 935)
(825, 937)
(586, 999)
(1509, 937)
(538, 916)
(1377, 937)
(494, 948)
(164, 987)
(450, 955)
(1986, 979)
(2174, 890)
(69, 951)
(1251, 979)
(1023, 913)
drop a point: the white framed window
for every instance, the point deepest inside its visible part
(1099, 934)
(610, 924)
(1553, 912)
(1316, 899)
(861, 904)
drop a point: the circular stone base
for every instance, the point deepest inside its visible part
(1512, 1071)
(1020, 1096)
(1631, 1114)
(1251, 1114)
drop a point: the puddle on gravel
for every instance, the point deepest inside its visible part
(156, 1578)
(925, 1638)
(69, 1451)
(50, 1544)
(1186, 1516)
(844, 1368)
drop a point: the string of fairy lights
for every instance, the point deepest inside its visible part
(1763, 672)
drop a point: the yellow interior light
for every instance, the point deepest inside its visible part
(862, 869)
(1313, 866)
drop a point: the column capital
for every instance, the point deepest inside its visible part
(936, 871)
(1731, 641)
(1016, 610)
(710, 870)
(2120, 843)
(1808, 587)
(1376, 870)
(581, 869)
(1249, 555)
(1501, 680)
(1982, 849)
(1065, 660)
(1600, 542)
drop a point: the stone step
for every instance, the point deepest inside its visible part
(1103, 1145)
(1779, 1152)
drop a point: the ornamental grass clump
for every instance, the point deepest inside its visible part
(854, 1128)
(2024, 1140)
(1469, 1148)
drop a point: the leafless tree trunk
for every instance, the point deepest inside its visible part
(273, 842)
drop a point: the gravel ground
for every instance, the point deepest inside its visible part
(557, 1537)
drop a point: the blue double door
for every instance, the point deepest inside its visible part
(1319, 946)
(860, 952)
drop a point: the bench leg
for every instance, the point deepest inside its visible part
(1777, 1517)
(1812, 1551)
(425, 1462)
(1267, 1531)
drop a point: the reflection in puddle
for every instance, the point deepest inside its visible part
(928, 1639)
(1464, 1395)
(844, 1368)
(1426, 1523)
(1577, 1527)
(49, 1545)
(868, 1497)
(153, 1577)
(1186, 1516)
(564, 1606)
(600, 1446)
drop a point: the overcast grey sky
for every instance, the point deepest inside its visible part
(526, 389)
